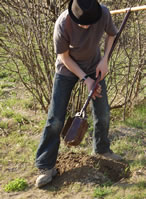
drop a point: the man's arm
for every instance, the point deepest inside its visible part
(103, 64)
(74, 68)
(108, 44)
(71, 65)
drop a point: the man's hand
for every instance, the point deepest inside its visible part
(89, 83)
(103, 64)
(102, 67)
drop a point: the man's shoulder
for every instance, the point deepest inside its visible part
(105, 10)
(62, 18)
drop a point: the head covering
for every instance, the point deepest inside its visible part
(85, 12)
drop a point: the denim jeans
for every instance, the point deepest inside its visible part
(49, 144)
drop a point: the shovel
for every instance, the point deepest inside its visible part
(76, 127)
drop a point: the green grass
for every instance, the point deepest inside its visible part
(18, 153)
(8, 113)
(137, 117)
(127, 145)
(3, 125)
(18, 184)
(18, 147)
(139, 162)
(101, 192)
(141, 185)
(4, 74)
(104, 189)
(132, 148)
(6, 85)
(135, 190)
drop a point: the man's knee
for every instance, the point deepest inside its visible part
(55, 124)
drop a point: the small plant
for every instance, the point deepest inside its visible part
(3, 74)
(3, 125)
(20, 119)
(100, 192)
(8, 113)
(108, 183)
(18, 184)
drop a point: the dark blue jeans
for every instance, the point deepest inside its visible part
(49, 144)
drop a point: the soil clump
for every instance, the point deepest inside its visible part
(86, 169)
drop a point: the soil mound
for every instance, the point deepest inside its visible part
(80, 167)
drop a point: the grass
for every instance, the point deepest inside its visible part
(121, 191)
(137, 117)
(3, 125)
(101, 192)
(20, 126)
(23, 149)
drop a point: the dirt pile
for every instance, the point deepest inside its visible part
(80, 167)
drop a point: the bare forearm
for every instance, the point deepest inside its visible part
(71, 65)
(108, 44)
(103, 64)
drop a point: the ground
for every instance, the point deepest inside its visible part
(80, 175)
(76, 169)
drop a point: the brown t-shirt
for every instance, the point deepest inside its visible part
(83, 44)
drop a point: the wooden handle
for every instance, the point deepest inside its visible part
(127, 9)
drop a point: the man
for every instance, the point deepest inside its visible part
(77, 34)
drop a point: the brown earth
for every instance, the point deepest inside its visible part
(80, 167)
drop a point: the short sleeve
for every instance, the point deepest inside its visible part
(60, 38)
(110, 28)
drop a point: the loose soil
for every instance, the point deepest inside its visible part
(80, 167)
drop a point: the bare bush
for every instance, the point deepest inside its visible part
(125, 81)
(26, 41)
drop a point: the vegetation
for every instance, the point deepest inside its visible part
(20, 138)
(27, 52)
(16, 185)
(26, 73)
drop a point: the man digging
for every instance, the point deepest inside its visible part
(77, 34)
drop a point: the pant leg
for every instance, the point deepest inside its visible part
(49, 144)
(101, 116)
